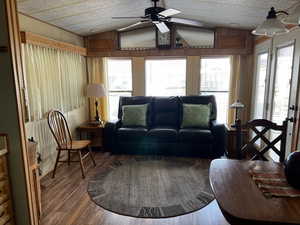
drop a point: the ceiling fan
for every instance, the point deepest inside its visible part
(159, 16)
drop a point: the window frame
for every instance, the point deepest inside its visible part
(230, 80)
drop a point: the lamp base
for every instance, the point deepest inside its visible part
(96, 123)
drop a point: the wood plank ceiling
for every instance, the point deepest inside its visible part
(85, 17)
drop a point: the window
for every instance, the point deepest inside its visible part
(260, 86)
(283, 76)
(215, 80)
(142, 38)
(165, 77)
(119, 83)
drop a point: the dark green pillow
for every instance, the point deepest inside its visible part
(134, 115)
(196, 115)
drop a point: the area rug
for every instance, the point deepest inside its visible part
(153, 187)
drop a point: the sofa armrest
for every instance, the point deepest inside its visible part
(110, 130)
(219, 133)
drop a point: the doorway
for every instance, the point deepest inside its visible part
(276, 84)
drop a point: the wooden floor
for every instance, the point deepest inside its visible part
(65, 201)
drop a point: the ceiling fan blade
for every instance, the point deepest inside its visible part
(128, 17)
(169, 12)
(133, 25)
(162, 27)
(186, 22)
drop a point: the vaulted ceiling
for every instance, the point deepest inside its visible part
(86, 17)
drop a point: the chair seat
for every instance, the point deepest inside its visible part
(76, 145)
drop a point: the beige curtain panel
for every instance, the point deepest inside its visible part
(55, 80)
(97, 74)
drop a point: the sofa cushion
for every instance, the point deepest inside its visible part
(163, 134)
(134, 115)
(165, 111)
(196, 116)
(203, 99)
(136, 100)
(131, 134)
(195, 135)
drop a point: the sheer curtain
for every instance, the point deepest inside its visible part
(55, 80)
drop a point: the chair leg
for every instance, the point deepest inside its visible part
(91, 155)
(69, 157)
(56, 162)
(81, 164)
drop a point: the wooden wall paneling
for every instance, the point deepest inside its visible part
(233, 38)
(107, 41)
(28, 37)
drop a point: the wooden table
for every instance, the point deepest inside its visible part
(93, 132)
(240, 200)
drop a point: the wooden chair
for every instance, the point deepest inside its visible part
(265, 126)
(60, 130)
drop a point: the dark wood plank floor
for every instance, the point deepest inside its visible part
(65, 201)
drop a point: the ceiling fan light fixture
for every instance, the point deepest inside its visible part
(293, 17)
(271, 26)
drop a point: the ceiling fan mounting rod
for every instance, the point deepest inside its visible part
(155, 2)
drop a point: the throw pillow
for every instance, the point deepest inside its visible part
(196, 115)
(134, 115)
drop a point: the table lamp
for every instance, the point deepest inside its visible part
(96, 91)
(237, 105)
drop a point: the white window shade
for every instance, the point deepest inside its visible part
(143, 38)
(195, 37)
(215, 80)
(119, 72)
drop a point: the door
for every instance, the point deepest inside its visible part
(283, 89)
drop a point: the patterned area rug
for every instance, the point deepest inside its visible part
(153, 187)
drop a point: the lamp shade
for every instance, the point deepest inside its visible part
(270, 27)
(95, 90)
(293, 17)
(237, 105)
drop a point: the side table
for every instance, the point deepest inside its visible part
(231, 151)
(93, 133)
